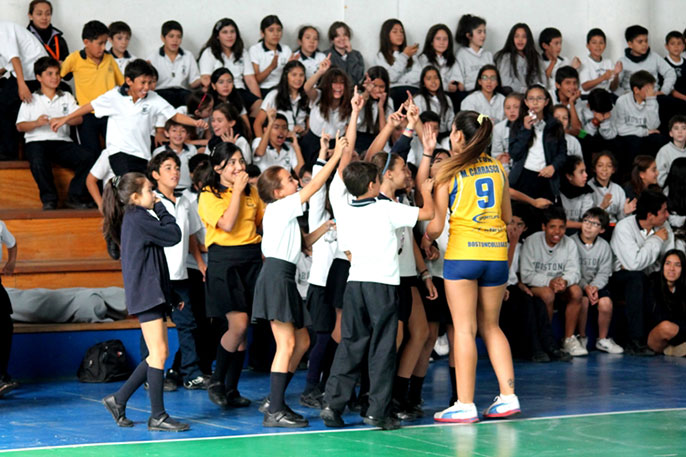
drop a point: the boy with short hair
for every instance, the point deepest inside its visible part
(637, 56)
(596, 268)
(95, 73)
(178, 70)
(567, 93)
(272, 148)
(177, 134)
(119, 37)
(549, 265)
(672, 150)
(596, 115)
(598, 72)
(133, 110)
(550, 41)
(163, 170)
(45, 147)
(370, 308)
(19, 50)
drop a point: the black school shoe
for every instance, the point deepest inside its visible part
(638, 349)
(313, 399)
(331, 418)
(266, 403)
(558, 355)
(118, 412)
(235, 400)
(49, 206)
(285, 419)
(166, 424)
(540, 357)
(7, 385)
(385, 423)
(217, 394)
(400, 411)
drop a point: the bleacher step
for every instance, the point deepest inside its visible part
(19, 190)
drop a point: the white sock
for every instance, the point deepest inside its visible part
(507, 397)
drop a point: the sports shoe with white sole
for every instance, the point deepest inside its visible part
(583, 341)
(458, 413)
(608, 345)
(503, 407)
(675, 351)
(572, 347)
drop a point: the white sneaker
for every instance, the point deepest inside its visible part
(458, 413)
(583, 341)
(503, 407)
(572, 347)
(608, 345)
(442, 346)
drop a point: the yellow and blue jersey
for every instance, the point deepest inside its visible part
(477, 230)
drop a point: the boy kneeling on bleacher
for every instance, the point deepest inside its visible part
(45, 147)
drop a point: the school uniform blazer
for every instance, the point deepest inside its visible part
(143, 264)
(554, 149)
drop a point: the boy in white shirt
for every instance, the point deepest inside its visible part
(177, 134)
(672, 150)
(370, 309)
(550, 41)
(272, 148)
(598, 72)
(119, 37)
(178, 70)
(45, 147)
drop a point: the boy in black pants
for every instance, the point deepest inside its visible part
(6, 327)
(370, 304)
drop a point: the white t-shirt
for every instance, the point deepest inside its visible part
(16, 41)
(180, 73)
(262, 57)
(285, 158)
(129, 124)
(238, 68)
(281, 238)
(318, 123)
(62, 103)
(6, 238)
(295, 115)
(590, 70)
(189, 222)
(340, 198)
(374, 244)
(535, 158)
(101, 169)
(185, 173)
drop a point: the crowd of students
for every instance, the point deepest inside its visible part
(234, 153)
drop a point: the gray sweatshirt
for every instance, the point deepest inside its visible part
(476, 101)
(470, 63)
(595, 260)
(665, 156)
(500, 142)
(653, 64)
(540, 263)
(518, 83)
(577, 206)
(616, 208)
(606, 129)
(635, 249)
(631, 118)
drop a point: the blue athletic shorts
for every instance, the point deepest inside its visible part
(489, 273)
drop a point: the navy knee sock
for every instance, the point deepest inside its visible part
(224, 358)
(317, 356)
(156, 391)
(136, 379)
(234, 372)
(415, 394)
(277, 387)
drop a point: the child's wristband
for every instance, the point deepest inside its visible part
(408, 130)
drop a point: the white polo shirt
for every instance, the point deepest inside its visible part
(16, 41)
(238, 68)
(311, 63)
(180, 73)
(373, 244)
(361, 120)
(318, 123)
(262, 57)
(295, 115)
(130, 124)
(189, 222)
(590, 70)
(122, 62)
(185, 174)
(6, 238)
(62, 103)
(281, 238)
(101, 169)
(286, 158)
(192, 198)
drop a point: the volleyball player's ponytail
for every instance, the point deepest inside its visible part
(477, 129)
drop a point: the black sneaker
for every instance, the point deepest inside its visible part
(638, 349)
(166, 424)
(197, 383)
(386, 423)
(558, 355)
(7, 385)
(541, 357)
(313, 399)
(118, 411)
(217, 394)
(235, 400)
(283, 419)
(331, 418)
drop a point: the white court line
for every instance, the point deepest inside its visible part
(310, 432)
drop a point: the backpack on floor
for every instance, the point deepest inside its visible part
(104, 362)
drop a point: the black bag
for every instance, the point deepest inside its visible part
(104, 362)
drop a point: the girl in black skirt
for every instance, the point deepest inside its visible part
(231, 211)
(276, 296)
